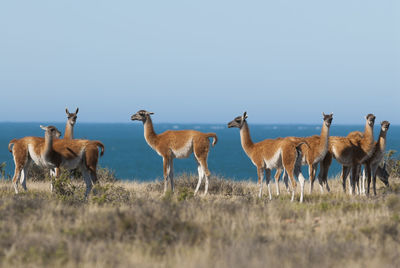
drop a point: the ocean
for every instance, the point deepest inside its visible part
(131, 158)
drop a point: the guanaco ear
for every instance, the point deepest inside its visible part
(323, 114)
(77, 110)
(43, 127)
(66, 111)
(244, 115)
(150, 113)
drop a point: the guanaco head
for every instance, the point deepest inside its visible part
(327, 119)
(238, 121)
(141, 115)
(385, 126)
(72, 116)
(51, 131)
(370, 119)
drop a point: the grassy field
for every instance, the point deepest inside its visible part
(128, 224)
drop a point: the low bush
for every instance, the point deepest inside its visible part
(393, 163)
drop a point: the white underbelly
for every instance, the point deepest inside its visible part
(275, 161)
(36, 158)
(183, 152)
(321, 156)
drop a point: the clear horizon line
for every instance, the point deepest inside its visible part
(184, 123)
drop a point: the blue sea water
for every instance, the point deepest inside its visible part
(128, 154)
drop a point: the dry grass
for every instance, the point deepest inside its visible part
(129, 224)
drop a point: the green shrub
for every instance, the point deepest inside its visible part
(109, 194)
(106, 175)
(3, 169)
(393, 163)
(185, 193)
(63, 186)
(37, 173)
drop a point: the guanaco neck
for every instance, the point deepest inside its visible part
(149, 133)
(69, 131)
(381, 144)
(324, 138)
(367, 142)
(48, 145)
(245, 138)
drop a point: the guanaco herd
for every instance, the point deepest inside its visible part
(286, 155)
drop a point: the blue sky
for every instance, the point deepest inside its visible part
(200, 61)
